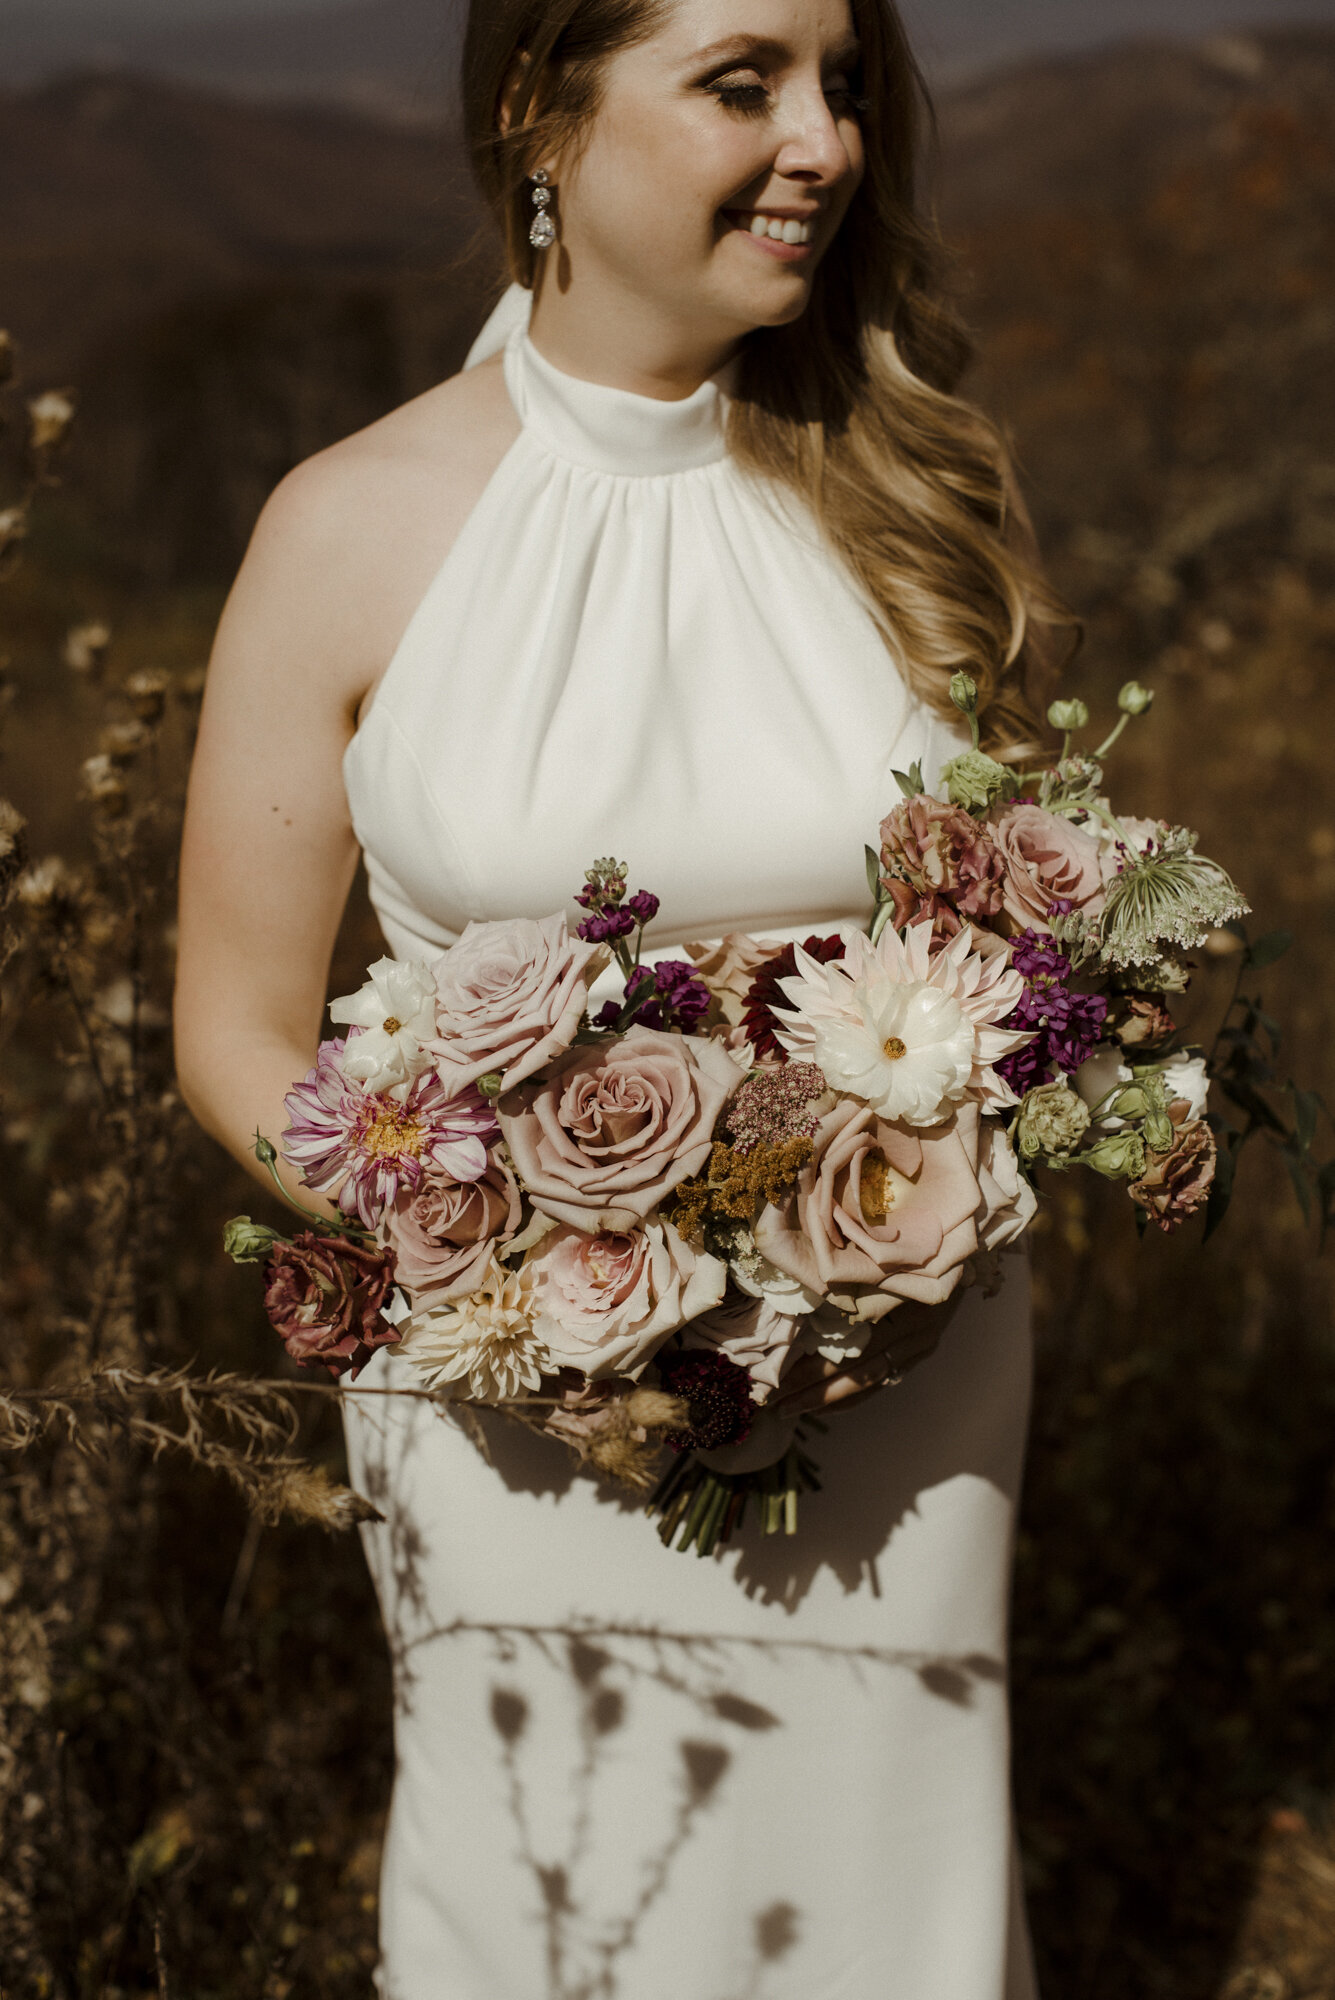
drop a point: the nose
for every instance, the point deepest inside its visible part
(813, 147)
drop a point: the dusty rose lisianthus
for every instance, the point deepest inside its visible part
(942, 851)
(510, 995)
(606, 1303)
(444, 1231)
(1048, 860)
(615, 1127)
(1177, 1183)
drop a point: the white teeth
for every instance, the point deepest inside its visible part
(778, 230)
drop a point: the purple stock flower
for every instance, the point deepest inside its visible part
(605, 927)
(644, 906)
(665, 996)
(1066, 1025)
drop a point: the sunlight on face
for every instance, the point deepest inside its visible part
(720, 165)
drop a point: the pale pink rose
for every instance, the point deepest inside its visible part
(1048, 860)
(510, 996)
(442, 1234)
(728, 968)
(1007, 1202)
(753, 1333)
(615, 1127)
(606, 1303)
(882, 1212)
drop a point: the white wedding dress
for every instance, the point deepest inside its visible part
(780, 1773)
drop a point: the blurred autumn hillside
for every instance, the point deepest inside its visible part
(1146, 250)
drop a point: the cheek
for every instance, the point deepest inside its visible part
(651, 174)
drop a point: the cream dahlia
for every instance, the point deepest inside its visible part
(910, 1031)
(486, 1341)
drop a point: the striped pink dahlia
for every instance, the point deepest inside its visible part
(364, 1147)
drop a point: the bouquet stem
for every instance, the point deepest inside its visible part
(702, 1508)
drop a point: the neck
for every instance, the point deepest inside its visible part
(623, 342)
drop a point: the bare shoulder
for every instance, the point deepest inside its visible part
(350, 540)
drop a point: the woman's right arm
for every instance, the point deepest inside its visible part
(269, 853)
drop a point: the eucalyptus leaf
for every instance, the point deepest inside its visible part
(910, 782)
(873, 872)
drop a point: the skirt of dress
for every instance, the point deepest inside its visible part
(781, 1773)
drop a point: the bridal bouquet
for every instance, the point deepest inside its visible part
(627, 1224)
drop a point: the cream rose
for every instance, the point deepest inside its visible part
(882, 1212)
(509, 997)
(1006, 1200)
(615, 1127)
(1047, 861)
(606, 1303)
(443, 1233)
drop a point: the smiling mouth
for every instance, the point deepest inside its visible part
(786, 229)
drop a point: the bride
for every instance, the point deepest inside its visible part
(678, 569)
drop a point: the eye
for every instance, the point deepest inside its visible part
(740, 90)
(845, 91)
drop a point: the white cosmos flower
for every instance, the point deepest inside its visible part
(396, 1012)
(909, 1030)
(486, 1341)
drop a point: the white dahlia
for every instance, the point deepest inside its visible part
(486, 1340)
(909, 1030)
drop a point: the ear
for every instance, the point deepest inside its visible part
(517, 97)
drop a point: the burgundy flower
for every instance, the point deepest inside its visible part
(1065, 1025)
(325, 1297)
(669, 995)
(765, 993)
(718, 1395)
(943, 853)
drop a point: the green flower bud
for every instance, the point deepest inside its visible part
(1052, 1120)
(1158, 1132)
(265, 1151)
(247, 1242)
(1135, 699)
(492, 1084)
(975, 779)
(1120, 1156)
(1142, 1099)
(1068, 715)
(964, 693)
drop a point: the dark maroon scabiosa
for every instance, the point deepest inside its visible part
(716, 1392)
(325, 1298)
(765, 994)
(776, 1105)
(1066, 1025)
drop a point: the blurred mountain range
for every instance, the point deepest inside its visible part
(397, 56)
(1146, 234)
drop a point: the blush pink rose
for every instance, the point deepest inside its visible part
(442, 1234)
(605, 1304)
(509, 997)
(1047, 861)
(941, 851)
(882, 1212)
(614, 1128)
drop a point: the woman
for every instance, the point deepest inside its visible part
(677, 569)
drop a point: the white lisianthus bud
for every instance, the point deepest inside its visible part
(1068, 715)
(964, 693)
(1135, 699)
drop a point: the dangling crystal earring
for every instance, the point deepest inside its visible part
(542, 231)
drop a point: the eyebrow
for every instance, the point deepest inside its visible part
(735, 47)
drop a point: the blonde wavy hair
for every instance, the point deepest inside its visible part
(853, 406)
